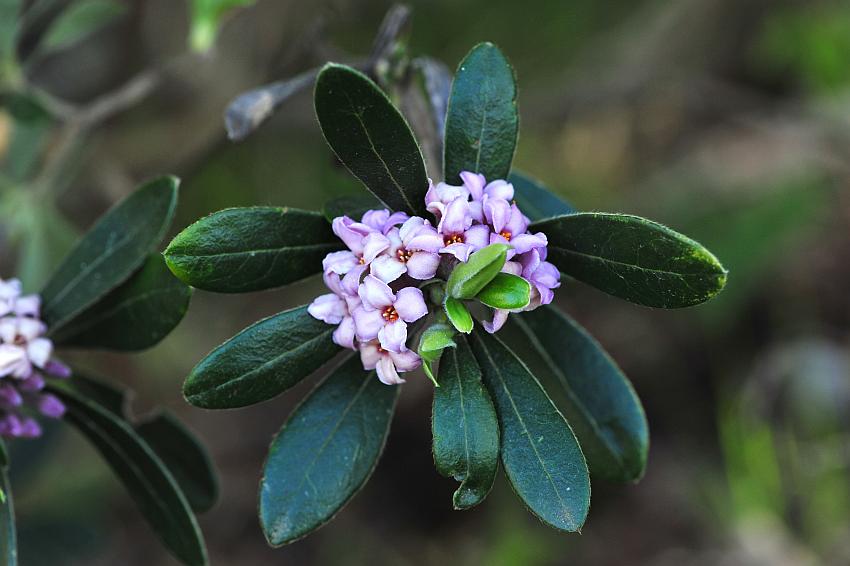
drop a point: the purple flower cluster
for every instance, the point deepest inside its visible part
(25, 361)
(374, 293)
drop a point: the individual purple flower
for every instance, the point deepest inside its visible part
(382, 221)
(411, 249)
(543, 276)
(384, 315)
(336, 308)
(354, 235)
(440, 195)
(387, 363)
(460, 236)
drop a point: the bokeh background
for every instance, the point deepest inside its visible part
(728, 120)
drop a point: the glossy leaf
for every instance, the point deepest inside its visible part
(353, 206)
(540, 453)
(506, 291)
(633, 258)
(135, 316)
(432, 342)
(482, 121)
(182, 453)
(325, 452)
(467, 279)
(142, 472)
(8, 532)
(458, 315)
(464, 426)
(237, 250)
(185, 458)
(536, 201)
(262, 361)
(371, 138)
(110, 252)
(595, 396)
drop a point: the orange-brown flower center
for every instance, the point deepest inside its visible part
(453, 239)
(390, 314)
(362, 260)
(403, 255)
(506, 235)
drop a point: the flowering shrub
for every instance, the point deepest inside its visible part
(410, 269)
(114, 292)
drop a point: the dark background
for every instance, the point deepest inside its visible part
(728, 120)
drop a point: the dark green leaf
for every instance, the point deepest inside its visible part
(482, 121)
(135, 316)
(467, 279)
(110, 252)
(8, 535)
(185, 458)
(182, 453)
(464, 426)
(540, 453)
(433, 341)
(249, 249)
(371, 138)
(79, 20)
(633, 258)
(325, 452)
(351, 206)
(505, 291)
(262, 361)
(145, 476)
(596, 397)
(458, 315)
(536, 201)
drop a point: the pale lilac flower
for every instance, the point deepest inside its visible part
(387, 363)
(382, 221)
(25, 360)
(336, 308)
(440, 195)
(460, 236)
(384, 315)
(411, 249)
(543, 276)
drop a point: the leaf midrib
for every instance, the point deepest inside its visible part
(281, 249)
(602, 259)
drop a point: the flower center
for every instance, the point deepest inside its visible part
(19, 340)
(390, 314)
(506, 235)
(453, 239)
(403, 255)
(362, 260)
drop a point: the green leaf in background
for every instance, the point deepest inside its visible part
(8, 534)
(325, 452)
(79, 20)
(371, 137)
(464, 427)
(482, 121)
(9, 18)
(433, 341)
(536, 201)
(110, 252)
(174, 444)
(207, 18)
(633, 258)
(134, 316)
(142, 472)
(352, 206)
(597, 399)
(540, 453)
(506, 291)
(467, 279)
(458, 315)
(30, 134)
(237, 250)
(185, 458)
(262, 361)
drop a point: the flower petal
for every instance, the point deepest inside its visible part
(477, 236)
(500, 189)
(373, 244)
(474, 183)
(387, 268)
(28, 306)
(393, 336)
(367, 324)
(410, 304)
(375, 294)
(500, 317)
(498, 212)
(526, 242)
(328, 308)
(460, 251)
(345, 333)
(387, 373)
(339, 262)
(407, 360)
(39, 351)
(369, 355)
(456, 218)
(423, 265)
